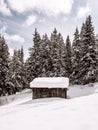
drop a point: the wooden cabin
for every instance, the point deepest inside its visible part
(43, 87)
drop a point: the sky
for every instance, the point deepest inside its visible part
(19, 18)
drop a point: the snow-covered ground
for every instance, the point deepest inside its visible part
(78, 112)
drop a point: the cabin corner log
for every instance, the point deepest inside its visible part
(49, 92)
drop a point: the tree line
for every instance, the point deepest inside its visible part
(51, 57)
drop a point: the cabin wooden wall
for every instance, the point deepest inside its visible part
(46, 92)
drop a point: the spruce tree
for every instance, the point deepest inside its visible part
(76, 55)
(34, 62)
(45, 48)
(97, 56)
(55, 54)
(62, 55)
(68, 57)
(24, 82)
(88, 61)
(16, 66)
(82, 32)
(4, 66)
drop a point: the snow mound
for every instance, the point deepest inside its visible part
(82, 90)
(10, 98)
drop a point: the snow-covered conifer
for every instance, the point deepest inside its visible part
(76, 54)
(45, 48)
(4, 66)
(62, 55)
(88, 61)
(68, 57)
(55, 54)
(34, 66)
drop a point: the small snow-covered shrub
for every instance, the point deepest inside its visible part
(91, 85)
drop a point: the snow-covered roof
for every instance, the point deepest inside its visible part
(50, 82)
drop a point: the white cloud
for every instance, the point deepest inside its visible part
(14, 38)
(11, 51)
(30, 20)
(55, 7)
(65, 19)
(22, 5)
(3, 30)
(4, 8)
(49, 7)
(83, 11)
(11, 38)
(41, 20)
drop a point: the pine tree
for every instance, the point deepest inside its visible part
(45, 48)
(16, 67)
(88, 61)
(68, 57)
(62, 55)
(18, 71)
(24, 82)
(82, 32)
(97, 56)
(76, 55)
(55, 54)
(34, 62)
(4, 66)
(11, 86)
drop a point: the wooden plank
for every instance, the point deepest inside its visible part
(46, 92)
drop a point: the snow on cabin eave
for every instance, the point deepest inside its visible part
(50, 82)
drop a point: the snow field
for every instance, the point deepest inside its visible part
(80, 112)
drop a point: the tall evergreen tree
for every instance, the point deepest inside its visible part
(45, 48)
(82, 32)
(62, 55)
(24, 82)
(34, 63)
(76, 55)
(15, 65)
(55, 53)
(68, 57)
(97, 56)
(4, 66)
(88, 61)
(18, 71)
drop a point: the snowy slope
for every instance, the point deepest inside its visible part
(78, 113)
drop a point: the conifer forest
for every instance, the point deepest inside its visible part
(51, 57)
